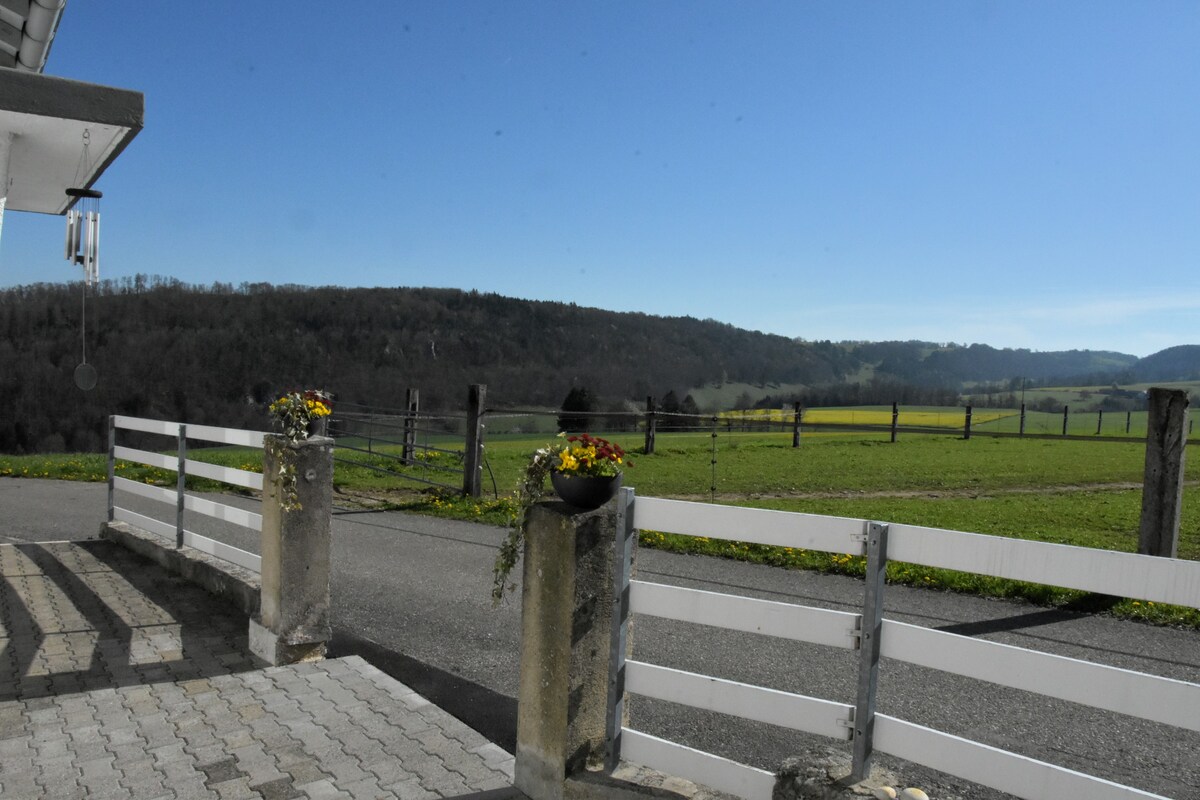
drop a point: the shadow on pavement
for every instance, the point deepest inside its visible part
(490, 713)
(77, 616)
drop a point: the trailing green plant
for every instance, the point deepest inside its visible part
(293, 413)
(530, 490)
(582, 455)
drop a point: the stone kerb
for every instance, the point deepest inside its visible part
(566, 613)
(293, 621)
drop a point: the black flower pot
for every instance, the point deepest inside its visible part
(585, 491)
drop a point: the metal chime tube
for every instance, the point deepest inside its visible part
(83, 233)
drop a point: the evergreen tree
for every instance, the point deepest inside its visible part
(577, 400)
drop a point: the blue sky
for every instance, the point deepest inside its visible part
(1016, 174)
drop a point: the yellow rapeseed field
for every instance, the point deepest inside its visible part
(945, 418)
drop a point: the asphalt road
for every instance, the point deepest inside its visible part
(412, 594)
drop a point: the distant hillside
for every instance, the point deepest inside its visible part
(979, 362)
(1180, 363)
(217, 354)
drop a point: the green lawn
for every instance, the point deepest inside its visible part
(1064, 491)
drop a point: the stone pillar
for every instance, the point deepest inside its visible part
(293, 623)
(566, 617)
(1162, 488)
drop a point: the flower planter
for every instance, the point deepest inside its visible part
(585, 491)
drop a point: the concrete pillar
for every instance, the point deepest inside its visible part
(1162, 488)
(293, 623)
(566, 639)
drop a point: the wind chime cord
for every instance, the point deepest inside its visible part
(83, 321)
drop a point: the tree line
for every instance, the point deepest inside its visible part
(218, 354)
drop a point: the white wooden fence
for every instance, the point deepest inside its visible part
(177, 498)
(1137, 694)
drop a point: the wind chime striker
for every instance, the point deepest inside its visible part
(83, 233)
(83, 249)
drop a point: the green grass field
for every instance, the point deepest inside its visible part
(1085, 493)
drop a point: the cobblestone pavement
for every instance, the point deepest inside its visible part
(120, 681)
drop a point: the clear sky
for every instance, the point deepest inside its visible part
(1020, 174)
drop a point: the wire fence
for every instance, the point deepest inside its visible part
(436, 449)
(410, 446)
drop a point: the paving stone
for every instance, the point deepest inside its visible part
(410, 789)
(320, 790)
(203, 720)
(279, 789)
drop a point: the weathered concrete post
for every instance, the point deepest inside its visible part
(293, 621)
(567, 604)
(895, 420)
(1162, 489)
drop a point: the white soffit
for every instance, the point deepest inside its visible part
(47, 117)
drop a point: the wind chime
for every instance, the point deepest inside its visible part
(83, 249)
(83, 233)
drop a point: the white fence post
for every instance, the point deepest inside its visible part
(622, 572)
(868, 649)
(112, 464)
(180, 484)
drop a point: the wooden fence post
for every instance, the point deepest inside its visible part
(797, 411)
(1162, 489)
(1128, 420)
(967, 424)
(412, 406)
(1066, 415)
(473, 455)
(1099, 420)
(651, 425)
(895, 420)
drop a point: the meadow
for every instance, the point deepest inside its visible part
(1066, 491)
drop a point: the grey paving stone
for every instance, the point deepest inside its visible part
(190, 721)
(410, 789)
(320, 790)
(279, 789)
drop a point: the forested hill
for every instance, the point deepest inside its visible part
(216, 355)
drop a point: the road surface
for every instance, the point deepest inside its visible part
(412, 594)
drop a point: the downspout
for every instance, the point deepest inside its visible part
(40, 27)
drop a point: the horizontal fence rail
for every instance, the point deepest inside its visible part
(1122, 691)
(177, 497)
(1110, 688)
(671, 758)
(754, 525)
(774, 707)
(1162, 580)
(747, 614)
(991, 766)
